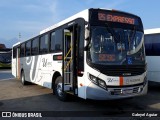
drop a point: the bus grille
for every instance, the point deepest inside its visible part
(126, 91)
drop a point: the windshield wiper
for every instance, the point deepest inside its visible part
(132, 34)
(113, 34)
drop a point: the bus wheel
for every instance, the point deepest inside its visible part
(58, 89)
(23, 79)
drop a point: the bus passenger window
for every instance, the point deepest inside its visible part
(52, 42)
(56, 41)
(35, 44)
(44, 44)
(28, 47)
(57, 47)
(22, 52)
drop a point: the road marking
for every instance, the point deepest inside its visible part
(7, 79)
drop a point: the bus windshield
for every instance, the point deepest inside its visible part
(5, 57)
(116, 46)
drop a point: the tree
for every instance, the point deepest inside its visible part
(2, 46)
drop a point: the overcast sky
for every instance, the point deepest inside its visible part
(29, 17)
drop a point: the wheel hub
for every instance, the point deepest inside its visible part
(59, 89)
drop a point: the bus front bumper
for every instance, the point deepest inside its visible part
(97, 93)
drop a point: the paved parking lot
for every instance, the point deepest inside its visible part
(5, 74)
(16, 97)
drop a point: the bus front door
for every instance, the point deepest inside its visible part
(16, 63)
(69, 69)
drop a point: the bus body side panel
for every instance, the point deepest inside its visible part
(152, 49)
(83, 82)
(18, 68)
(47, 68)
(40, 69)
(26, 67)
(14, 67)
(81, 87)
(35, 70)
(153, 68)
(30, 66)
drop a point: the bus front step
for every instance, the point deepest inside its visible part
(67, 87)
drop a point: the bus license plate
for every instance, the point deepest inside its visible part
(128, 91)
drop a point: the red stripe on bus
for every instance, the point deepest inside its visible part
(120, 81)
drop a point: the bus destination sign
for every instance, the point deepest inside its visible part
(116, 18)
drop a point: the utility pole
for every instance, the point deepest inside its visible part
(19, 36)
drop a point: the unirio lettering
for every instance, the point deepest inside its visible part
(111, 80)
(44, 62)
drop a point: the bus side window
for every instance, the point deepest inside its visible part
(44, 44)
(56, 41)
(52, 41)
(57, 47)
(28, 48)
(35, 44)
(22, 52)
(152, 45)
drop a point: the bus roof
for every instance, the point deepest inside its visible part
(83, 14)
(152, 31)
(17, 44)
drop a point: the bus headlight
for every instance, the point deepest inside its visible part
(102, 83)
(93, 79)
(97, 81)
(145, 81)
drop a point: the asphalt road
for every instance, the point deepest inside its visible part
(16, 97)
(5, 74)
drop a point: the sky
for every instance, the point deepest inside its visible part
(29, 17)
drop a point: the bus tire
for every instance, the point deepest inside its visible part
(58, 90)
(23, 81)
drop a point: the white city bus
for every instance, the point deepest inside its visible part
(152, 48)
(95, 54)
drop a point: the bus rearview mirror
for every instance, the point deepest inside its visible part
(87, 34)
